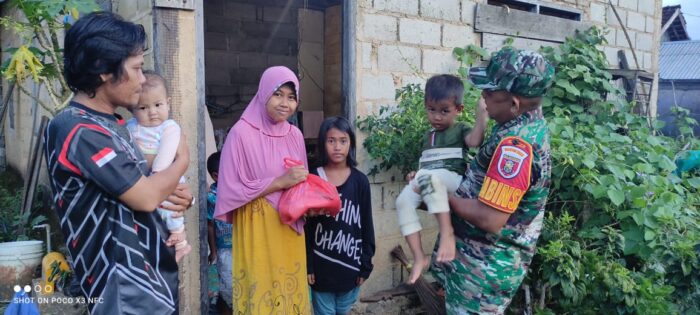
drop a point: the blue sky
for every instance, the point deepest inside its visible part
(691, 12)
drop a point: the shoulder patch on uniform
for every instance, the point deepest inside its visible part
(510, 160)
(508, 175)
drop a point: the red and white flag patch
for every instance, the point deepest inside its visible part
(103, 157)
(508, 176)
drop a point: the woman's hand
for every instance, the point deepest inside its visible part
(294, 175)
(410, 176)
(316, 212)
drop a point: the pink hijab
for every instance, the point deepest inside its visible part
(255, 148)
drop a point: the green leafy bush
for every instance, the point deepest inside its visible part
(621, 234)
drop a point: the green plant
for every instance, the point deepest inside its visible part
(621, 234)
(395, 135)
(39, 55)
(10, 205)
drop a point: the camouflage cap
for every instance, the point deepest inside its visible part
(520, 72)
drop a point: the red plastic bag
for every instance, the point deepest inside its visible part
(313, 193)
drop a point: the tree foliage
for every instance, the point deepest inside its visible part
(40, 55)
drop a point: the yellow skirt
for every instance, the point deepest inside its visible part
(269, 263)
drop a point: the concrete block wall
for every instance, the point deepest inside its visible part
(407, 41)
(241, 39)
(641, 18)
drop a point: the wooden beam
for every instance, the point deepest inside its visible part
(499, 20)
(670, 20)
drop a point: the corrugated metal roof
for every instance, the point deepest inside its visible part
(680, 60)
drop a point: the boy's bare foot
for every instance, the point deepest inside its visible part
(419, 264)
(446, 251)
(181, 252)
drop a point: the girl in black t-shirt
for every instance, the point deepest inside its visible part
(339, 249)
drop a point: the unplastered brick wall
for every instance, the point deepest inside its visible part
(406, 41)
(641, 18)
(243, 38)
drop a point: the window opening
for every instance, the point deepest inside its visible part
(537, 8)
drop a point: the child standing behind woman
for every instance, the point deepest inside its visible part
(158, 138)
(219, 237)
(335, 271)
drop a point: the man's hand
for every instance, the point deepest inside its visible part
(212, 257)
(180, 200)
(183, 150)
(360, 280)
(479, 214)
(410, 176)
(311, 278)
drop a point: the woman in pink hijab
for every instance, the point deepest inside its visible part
(269, 262)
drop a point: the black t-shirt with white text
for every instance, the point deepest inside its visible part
(340, 249)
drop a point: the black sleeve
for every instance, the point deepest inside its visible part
(308, 233)
(92, 151)
(368, 245)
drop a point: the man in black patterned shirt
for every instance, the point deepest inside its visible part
(103, 193)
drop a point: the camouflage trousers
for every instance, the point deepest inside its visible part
(481, 280)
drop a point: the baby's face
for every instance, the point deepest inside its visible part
(152, 109)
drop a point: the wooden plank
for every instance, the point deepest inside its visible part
(33, 166)
(499, 20)
(175, 4)
(5, 103)
(494, 42)
(670, 21)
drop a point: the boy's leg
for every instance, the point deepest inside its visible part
(345, 300)
(435, 195)
(446, 250)
(420, 262)
(223, 265)
(406, 205)
(410, 227)
(323, 302)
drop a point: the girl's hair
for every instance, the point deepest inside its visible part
(291, 86)
(343, 125)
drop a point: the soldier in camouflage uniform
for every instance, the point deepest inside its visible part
(499, 207)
